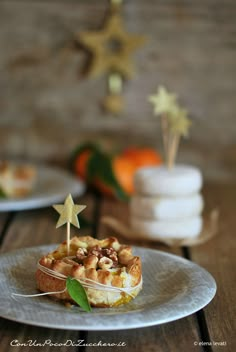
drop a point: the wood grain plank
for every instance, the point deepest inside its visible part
(5, 219)
(218, 257)
(38, 227)
(33, 228)
(176, 336)
(12, 333)
(171, 337)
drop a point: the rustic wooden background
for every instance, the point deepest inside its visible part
(47, 106)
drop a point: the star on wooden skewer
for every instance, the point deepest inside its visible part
(163, 102)
(68, 215)
(174, 121)
(180, 123)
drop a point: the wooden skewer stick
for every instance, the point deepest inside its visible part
(173, 150)
(164, 126)
(68, 238)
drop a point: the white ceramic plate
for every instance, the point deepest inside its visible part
(52, 185)
(173, 288)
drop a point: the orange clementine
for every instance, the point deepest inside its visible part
(81, 163)
(142, 156)
(123, 171)
(123, 167)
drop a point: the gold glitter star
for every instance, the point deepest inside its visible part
(68, 212)
(179, 122)
(111, 48)
(163, 102)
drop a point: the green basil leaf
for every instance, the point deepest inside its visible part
(77, 293)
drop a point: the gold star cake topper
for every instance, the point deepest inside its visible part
(174, 121)
(163, 101)
(180, 123)
(68, 215)
(111, 49)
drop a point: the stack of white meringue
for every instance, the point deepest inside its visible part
(167, 203)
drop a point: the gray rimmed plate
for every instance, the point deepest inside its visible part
(52, 186)
(173, 288)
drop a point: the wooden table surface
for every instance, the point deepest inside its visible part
(210, 329)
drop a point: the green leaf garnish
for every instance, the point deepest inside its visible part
(80, 149)
(2, 194)
(100, 167)
(78, 293)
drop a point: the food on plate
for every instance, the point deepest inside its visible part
(108, 271)
(16, 179)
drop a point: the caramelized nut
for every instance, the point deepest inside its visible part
(110, 253)
(81, 253)
(105, 263)
(96, 250)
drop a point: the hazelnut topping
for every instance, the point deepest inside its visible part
(105, 263)
(81, 253)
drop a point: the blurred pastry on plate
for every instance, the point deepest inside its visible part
(17, 180)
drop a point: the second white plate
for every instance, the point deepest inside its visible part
(52, 186)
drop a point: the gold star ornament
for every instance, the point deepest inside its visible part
(111, 48)
(174, 122)
(68, 212)
(163, 101)
(180, 123)
(68, 215)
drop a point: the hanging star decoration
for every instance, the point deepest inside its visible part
(111, 49)
(68, 215)
(174, 121)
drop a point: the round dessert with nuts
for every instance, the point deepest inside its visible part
(109, 272)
